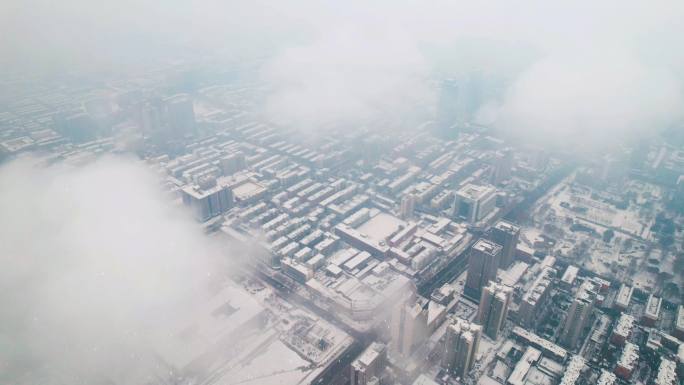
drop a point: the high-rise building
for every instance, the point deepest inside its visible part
(233, 163)
(623, 297)
(532, 303)
(573, 370)
(493, 309)
(578, 315)
(368, 365)
(180, 114)
(448, 109)
(207, 199)
(506, 234)
(483, 262)
(629, 359)
(474, 202)
(502, 166)
(77, 126)
(151, 117)
(667, 373)
(460, 346)
(623, 329)
(473, 94)
(408, 327)
(408, 204)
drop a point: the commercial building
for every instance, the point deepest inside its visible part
(368, 365)
(461, 345)
(299, 272)
(521, 370)
(361, 241)
(483, 262)
(474, 202)
(506, 234)
(493, 309)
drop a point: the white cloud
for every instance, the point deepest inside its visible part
(347, 76)
(341, 63)
(582, 70)
(94, 263)
(592, 101)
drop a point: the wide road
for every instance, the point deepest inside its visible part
(337, 372)
(453, 269)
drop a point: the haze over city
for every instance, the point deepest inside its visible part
(302, 192)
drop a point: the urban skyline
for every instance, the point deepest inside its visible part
(318, 193)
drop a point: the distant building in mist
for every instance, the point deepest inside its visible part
(167, 119)
(180, 114)
(152, 117)
(77, 126)
(459, 101)
(447, 110)
(502, 166)
(407, 206)
(473, 94)
(233, 163)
